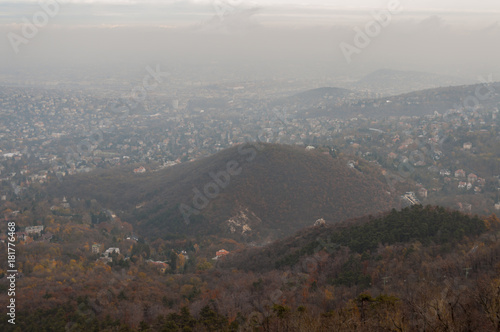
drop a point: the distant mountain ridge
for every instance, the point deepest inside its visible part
(329, 96)
(324, 92)
(389, 81)
(418, 103)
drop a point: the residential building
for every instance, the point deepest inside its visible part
(96, 248)
(34, 230)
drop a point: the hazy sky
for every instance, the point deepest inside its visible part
(153, 12)
(275, 37)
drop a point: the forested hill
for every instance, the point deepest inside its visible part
(426, 225)
(418, 269)
(274, 191)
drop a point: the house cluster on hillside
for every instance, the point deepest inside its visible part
(106, 255)
(34, 233)
(469, 181)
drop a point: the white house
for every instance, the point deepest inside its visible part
(109, 251)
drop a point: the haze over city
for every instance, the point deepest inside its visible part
(253, 39)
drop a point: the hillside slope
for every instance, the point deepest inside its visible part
(364, 236)
(418, 269)
(251, 192)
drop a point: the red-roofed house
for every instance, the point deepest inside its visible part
(221, 253)
(472, 177)
(140, 170)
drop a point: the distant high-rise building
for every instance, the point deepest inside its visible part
(175, 104)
